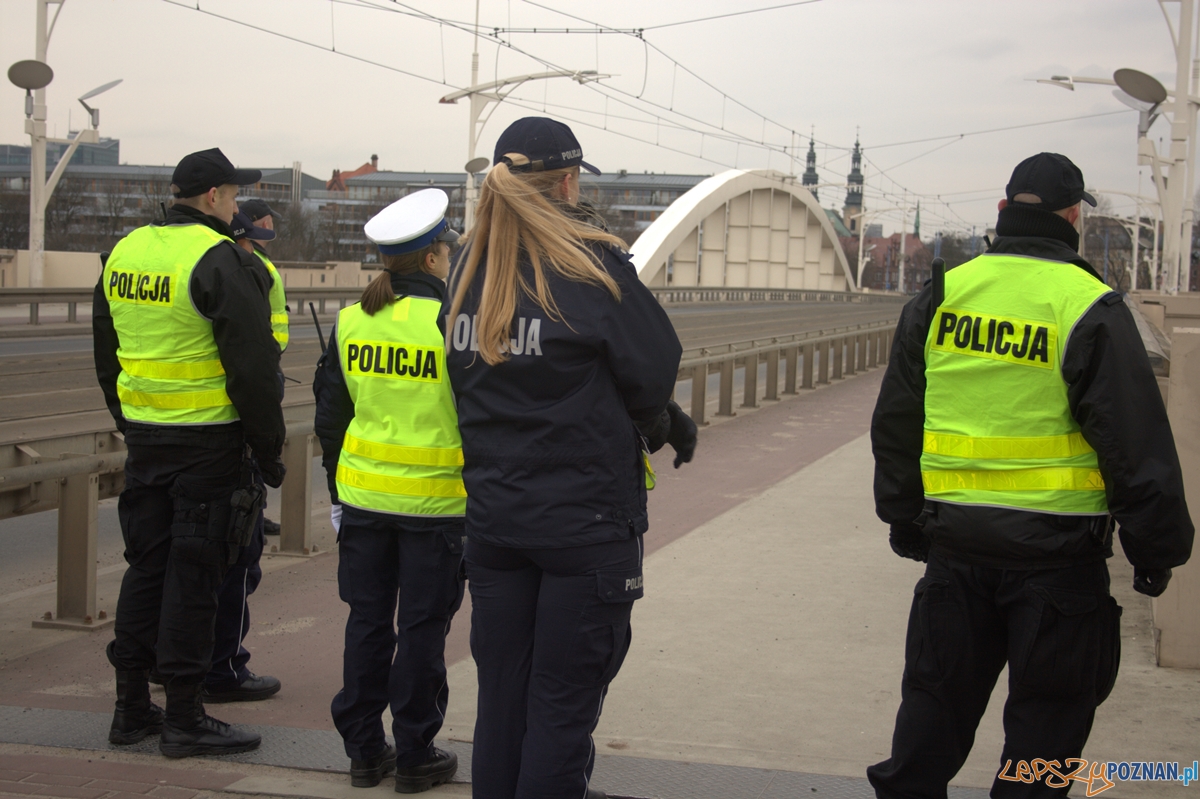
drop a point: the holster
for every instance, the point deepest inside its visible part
(217, 513)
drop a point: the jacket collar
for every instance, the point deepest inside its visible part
(418, 284)
(186, 215)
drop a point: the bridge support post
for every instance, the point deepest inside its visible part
(725, 397)
(295, 514)
(873, 355)
(699, 389)
(885, 347)
(862, 352)
(77, 535)
(772, 392)
(750, 382)
(71, 315)
(791, 355)
(838, 347)
(810, 357)
(851, 355)
(826, 352)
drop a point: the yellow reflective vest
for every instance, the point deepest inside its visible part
(998, 427)
(402, 453)
(171, 372)
(279, 311)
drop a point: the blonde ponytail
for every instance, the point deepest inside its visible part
(516, 217)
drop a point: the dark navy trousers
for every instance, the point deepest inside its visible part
(1059, 632)
(233, 615)
(549, 631)
(402, 578)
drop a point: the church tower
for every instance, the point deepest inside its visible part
(853, 208)
(809, 181)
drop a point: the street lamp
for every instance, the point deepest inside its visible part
(483, 95)
(34, 76)
(1174, 187)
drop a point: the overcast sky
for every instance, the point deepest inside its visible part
(893, 71)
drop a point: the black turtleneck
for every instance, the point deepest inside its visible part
(1019, 219)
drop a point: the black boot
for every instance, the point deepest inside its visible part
(370, 772)
(439, 768)
(135, 716)
(189, 731)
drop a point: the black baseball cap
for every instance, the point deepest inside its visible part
(243, 228)
(1053, 178)
(207, 169)
(257, 209)
(547, 143)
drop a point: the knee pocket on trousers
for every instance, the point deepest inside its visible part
(201, 551)
(604, 633)
(937, 633)
(1110, 649)
(1064, 652)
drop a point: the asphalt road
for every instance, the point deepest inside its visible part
(54, 377)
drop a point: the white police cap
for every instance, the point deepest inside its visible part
(411, 223)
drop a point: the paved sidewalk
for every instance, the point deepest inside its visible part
(766, 658)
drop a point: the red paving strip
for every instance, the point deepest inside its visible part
(130, 777)
(87, 778)
(298, 622)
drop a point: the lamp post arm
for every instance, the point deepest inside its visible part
(89, 136)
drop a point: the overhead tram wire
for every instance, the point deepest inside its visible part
(600, 89)
(725, 95)
(296, 40)
(1000, 130)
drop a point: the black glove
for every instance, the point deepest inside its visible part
(1151, 582)
(682, 437)
(273, 471)
(908, 541)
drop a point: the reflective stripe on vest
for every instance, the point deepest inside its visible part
(171, 372)
(402, 453)
(994, 368)
(279, 315)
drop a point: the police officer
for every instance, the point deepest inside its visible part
(229, 679)
(563, 365)
(187, 364)
(265, 217)
(1015, 422)
(393, 455)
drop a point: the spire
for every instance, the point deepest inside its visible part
(854, 180)
(852, 211)
(809, 181)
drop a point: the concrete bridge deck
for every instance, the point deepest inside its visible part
(766, 658)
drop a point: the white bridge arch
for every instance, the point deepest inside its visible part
(744, 229)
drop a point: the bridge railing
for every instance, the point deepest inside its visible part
(72, 472)
(298, 298)
(321, 296)
(699, 294)
(810, 359)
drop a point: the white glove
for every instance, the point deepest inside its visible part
(335, 516)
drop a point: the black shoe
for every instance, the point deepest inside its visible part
(188, 731)
(595, 793)
(135, 715)
(441, 767)
(270, 527)
(251, 689)
(368, 773)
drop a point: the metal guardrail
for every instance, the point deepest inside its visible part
(300, 296)
(673, 295)
(828, 354)
(73, 297)
(52, 473)
(75, 483)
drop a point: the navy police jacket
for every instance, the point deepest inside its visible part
(551, 454)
